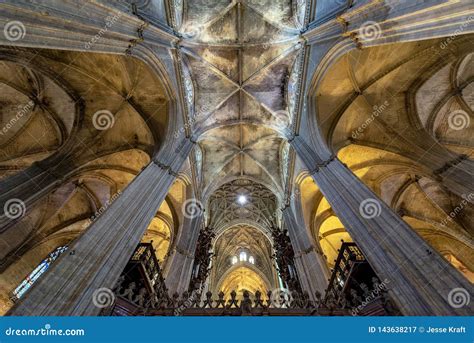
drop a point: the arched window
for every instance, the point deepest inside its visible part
(252, 260)
(243, 256)
(234, 260)
(37, 272)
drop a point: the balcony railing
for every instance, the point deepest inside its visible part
(349, 259)
(145, 259)
(354, 285)
(140, 281)
(278, 303)
(141, 291)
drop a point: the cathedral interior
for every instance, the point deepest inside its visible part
(236, 157)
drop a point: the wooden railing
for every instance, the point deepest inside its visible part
(354, 285)
(145, 257)
(274, 303)
(349, 259)
(141, 291)
(141, 280)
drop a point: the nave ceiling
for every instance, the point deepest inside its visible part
(243, 60)
(241, 64)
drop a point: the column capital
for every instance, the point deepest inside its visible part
(450, 164)
(322, 164)
(307, 250)
(379, 232)
(101, 252)
(183, 252)
(381, 22)
(97, 26)
(165, 167)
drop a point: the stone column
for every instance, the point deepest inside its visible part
(83, 276)
(312, 270)
(179, 267)
(20, 193)
(419, 279)
(89, 26)
(33, 183)
(457, 176)
(455, 172)
(100, 26)
(397, 21)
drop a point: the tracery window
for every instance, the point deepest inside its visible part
(25, 285)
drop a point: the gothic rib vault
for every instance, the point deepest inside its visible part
(244, 64)
(210, 101)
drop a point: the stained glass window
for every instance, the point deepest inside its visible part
(37, 272)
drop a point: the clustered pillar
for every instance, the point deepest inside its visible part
(179, 265)
(418, 278)
(312, 271)
(96, 259)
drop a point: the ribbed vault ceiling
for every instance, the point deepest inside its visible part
(241, 63)
(241, 60)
